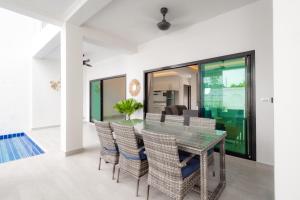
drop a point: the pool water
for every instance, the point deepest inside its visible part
(17, 146)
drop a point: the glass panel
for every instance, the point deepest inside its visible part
(172, 91)
(95, 100)
(113, 91)
(223, 97)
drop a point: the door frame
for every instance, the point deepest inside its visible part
(251, 94)
(101, 93)
(189, 101)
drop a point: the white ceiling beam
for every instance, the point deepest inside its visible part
(107, 40)
(9, 5)
(82, 10)
(46, 41)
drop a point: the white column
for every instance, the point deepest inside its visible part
(287, 98)
(71, 89)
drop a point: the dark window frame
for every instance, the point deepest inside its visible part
(251, 95)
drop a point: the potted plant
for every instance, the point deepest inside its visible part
(128, 107)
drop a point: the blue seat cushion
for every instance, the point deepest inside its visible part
(112, 150)
(142, 155)
(191, 166)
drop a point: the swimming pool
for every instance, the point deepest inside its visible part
(16, 146)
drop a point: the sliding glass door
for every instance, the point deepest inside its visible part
(221, 88)
(104, 94)
(223, 96)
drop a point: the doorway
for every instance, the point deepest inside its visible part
(104, 94)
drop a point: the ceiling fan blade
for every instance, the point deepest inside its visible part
(88, 65)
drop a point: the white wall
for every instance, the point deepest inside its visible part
(244, 29)
(45, 41)
(15, 40)
(287, 95)
(45, 100)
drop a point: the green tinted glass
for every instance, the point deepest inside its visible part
(95, 101)
(223, 97)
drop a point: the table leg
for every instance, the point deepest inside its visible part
(203, 176)
(218, 191)
(222, 162)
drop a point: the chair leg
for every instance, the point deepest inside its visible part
(148, 189)
(137, 187)
(99, 163)
(118, 174)
(113, 174)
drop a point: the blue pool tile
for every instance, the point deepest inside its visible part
(15, 151)
(17, 146)
(9, 152)
(30, 146)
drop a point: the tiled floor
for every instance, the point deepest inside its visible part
(52, 176)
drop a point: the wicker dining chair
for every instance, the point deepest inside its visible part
(203, 123)
(153, 117)
(209, 125)
(109, 149)
(174, 120)
(133, 159)
(170, 172)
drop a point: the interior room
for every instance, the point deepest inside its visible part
(172, 87)
(137, 99)
(104, 94)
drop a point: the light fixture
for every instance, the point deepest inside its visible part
(164, 73)
(164, 25)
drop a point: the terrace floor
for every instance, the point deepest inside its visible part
(53, 176)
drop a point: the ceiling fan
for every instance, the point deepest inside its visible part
(164, 24)
(85, 62)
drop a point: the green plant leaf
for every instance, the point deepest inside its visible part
(128, 106)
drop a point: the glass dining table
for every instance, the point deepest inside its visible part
(193, 140)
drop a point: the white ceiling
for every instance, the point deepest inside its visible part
(135, 20)
(130, 22)
(93, 52)
(97, 53)
(41, 9)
